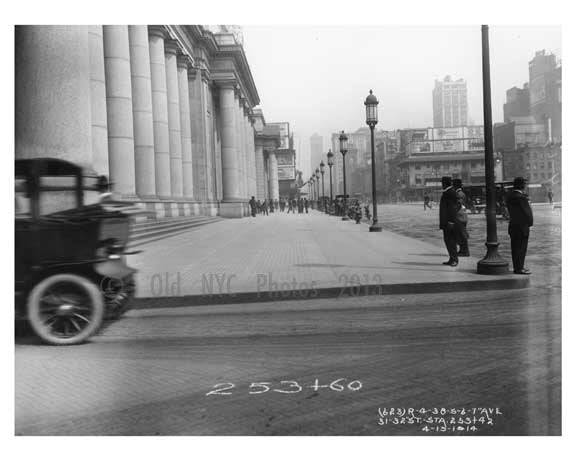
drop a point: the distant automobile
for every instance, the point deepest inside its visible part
(71, 273)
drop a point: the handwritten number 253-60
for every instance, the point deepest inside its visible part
(286, 387)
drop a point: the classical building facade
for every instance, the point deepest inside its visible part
(167, 112)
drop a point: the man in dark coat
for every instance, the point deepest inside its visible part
(252, 203)
(461, 219)
(521, 220)
(449, 206)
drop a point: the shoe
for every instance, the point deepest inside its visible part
(447, 263)
(523, 272)
(453, 264)
(465, 255)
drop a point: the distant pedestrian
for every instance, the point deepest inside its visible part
(271, 205)
(551, 197)
(306, 205)
(461, 219)
(253, 206)
(449, 206)
(427, 202)
(265, 207)
(521, 220)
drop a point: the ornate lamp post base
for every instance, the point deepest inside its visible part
(375, 227)
(492, 264)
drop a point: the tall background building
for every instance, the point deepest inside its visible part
(316, 150)
(450, 103)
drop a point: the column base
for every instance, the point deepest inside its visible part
(375, 228)
(232, 209)
(492, 264)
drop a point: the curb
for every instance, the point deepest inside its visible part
(340, 292)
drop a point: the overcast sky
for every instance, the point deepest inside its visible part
(317, 78)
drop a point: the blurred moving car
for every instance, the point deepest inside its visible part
(70, 261)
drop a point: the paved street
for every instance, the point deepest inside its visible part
(321, 366)
(150, 373)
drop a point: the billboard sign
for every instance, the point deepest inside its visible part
(286, 172)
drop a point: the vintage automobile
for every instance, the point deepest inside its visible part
(70, 260)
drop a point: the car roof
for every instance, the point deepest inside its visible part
(46, 166)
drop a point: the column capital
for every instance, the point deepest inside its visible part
(171, 47)
(205, 75)
(185, 61)
(157, 31)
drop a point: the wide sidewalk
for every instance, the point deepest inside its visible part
(297, 256)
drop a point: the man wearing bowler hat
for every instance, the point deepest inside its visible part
(449, 206)
(520, 222)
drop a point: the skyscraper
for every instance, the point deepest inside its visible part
(450, 103)
(316, 150)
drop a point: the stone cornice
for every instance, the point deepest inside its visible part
(185, 61)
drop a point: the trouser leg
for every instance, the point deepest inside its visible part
(450, 242)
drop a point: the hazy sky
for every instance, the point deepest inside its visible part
(317, 78)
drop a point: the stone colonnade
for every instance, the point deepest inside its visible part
(139, 104)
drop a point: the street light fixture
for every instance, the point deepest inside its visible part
(371, 104)
(492, 264)
(322, 165)
(343, 149)
(330, 156)
(312, 185)
(317, 176)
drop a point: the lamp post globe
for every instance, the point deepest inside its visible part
(371, 104)
(343, 139)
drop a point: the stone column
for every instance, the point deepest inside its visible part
(98, 101)
(171, 50)
(232, 204)
(119, 109)
(156, 35)
(196, 132)
(260, 177)
(52, 93)
(185, 124)
(208, 135)
(142, 112)
(273, 175)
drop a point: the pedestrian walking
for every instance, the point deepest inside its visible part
(265, 207)
(271, 205)
(521, 220)
(461, 219)
(551, 197)
(306, 205)
(448, 209)
(253, 206)
(427, 202)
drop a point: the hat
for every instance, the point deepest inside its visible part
(519, 183)
(446, 181)
(457, 182)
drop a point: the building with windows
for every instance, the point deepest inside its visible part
(450, 103)
(168, 112)
(517, 103)
(316, 151)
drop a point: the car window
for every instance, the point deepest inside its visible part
(21, 199)
(57, 193)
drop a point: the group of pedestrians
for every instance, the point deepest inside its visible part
(454, 219)
(267, 206)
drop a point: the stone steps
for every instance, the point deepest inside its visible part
(150, 231)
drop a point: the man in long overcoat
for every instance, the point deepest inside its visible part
(449, 206)
(521, 220)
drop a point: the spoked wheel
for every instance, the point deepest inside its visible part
(65, 309)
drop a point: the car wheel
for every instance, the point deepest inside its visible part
(65, 309)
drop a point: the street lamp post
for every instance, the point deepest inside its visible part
(492, 264)
(317, 176)
(343, 149)
(371, 104)
(312, 186)
(330, 156)
(322, 165)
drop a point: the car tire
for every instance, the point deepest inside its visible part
(65, 309)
